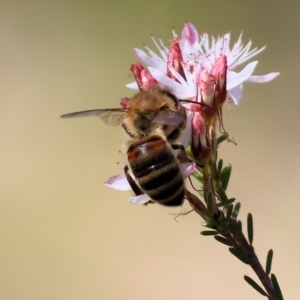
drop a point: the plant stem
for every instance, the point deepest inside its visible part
(249, 251)
(233, 234)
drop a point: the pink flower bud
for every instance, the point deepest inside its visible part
(143, 78)
(189, 33)
(211, 89)
(200, 145)
(175, 59)
(205, 88)
(219, 72)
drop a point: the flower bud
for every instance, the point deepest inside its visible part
(175, 59)
(143, 78)
(189, 34)
(219, 76)
(200, 145)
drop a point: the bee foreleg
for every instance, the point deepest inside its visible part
(127, 130)
(182, 156)
(136, 189)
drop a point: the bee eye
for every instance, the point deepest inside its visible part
(164, 107)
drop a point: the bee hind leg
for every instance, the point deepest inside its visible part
(136, 189)
(182, 156)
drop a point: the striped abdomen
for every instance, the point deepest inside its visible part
(156, 170)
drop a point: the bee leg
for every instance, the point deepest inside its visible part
(126, 129)
(182, 157)
(136, 189)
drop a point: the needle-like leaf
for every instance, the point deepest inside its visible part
(250, 228)
(209, 232)
(236, 210)
(222, 240)
(269, 261)
(277, 289)
(255, 285)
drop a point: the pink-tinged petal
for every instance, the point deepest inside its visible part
(118, 182)
(181, 91)
(190, 33)
(187, 169)
(235, 94)
(141, 199)
(234, 79)
(263, 78)
(132, 85)
(149, 61)
(162, 49)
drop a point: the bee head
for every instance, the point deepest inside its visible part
(142, 121)
(144, 107)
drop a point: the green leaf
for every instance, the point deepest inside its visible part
(224, 199)
(222, 138)
(214, 223)
(220, 166)
(211, 207)
(240, 231)
(209, 232)
(269, 261)
(222, 195)
(225, 176)
(236, 210)
(241, 256)
(229, 212)
(226, 204)
(207, 225)
(277, 289)
(255, 285)
(250, 228)
(198, 176)
(222, 240)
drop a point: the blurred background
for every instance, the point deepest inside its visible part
(63, 234)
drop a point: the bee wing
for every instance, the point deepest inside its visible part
(111, 116)
(168, 117)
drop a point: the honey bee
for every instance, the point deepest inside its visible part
(154, 120)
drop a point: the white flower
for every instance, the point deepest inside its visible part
(178, 68)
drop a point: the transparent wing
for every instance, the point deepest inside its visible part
(111, 116)
(168, 117)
